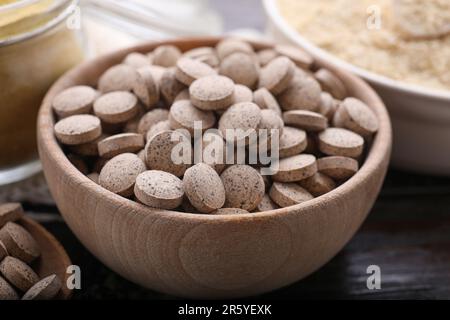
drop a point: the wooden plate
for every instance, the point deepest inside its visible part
(53, 260)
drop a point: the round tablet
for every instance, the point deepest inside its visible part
(271, 125)
(204, 188)
(318, 184)
(265, 100)
(120, 143)
(197, 53)
(271, 120)
(18, 273)
(298, 56)
(210, 59)
(239, 121)
(19, 243)
(159, 189)
(241, 68)
(265, 56)
(136, 60)
(277, 75)
(116, 107)
(183, 115)
(75, 100)
(78, 129)
(10, 212)
(307, 120)
(158, 128)
(89, 149)
(170, 87)
(46, 289)
(132, 125)
(146, 87)
(229, 212)
(303, 93)
(166, 56)
(289, 194)
(188, 70)
(151, 118)
(120, 77)
(169, 151)
(267, 204)
(183, 95)
(355, 115)
(244, 187)
(339, 168)
(331, 83)
(340, 142)
(188, 207)
(157, 73)
(119, 174)
(3, 251)
(229, 46)
(212, 92)
(7, 292)
(328, 105)
(242, 94)
(293, 141)
(296, 168)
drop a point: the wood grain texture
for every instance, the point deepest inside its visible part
(209, 256)
(53, 260)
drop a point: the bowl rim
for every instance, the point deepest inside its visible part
(379, 151)
(274, 15)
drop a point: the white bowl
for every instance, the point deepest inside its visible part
(420, 116)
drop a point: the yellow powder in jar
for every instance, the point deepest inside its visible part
(5, 2)
(341, 27)
(26, 18)
(27, 70)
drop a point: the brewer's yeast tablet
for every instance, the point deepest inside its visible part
(288, 194)
(204, 188)
(159, 189)
(244, 187)
(18, 273)
(340, 142)
(78, 129)
(46, 289)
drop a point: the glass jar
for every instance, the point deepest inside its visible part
(37, 45)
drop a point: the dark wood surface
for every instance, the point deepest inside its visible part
(407, 234)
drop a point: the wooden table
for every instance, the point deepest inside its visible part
(407, 235)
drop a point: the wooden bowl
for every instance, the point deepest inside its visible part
(53, 260)
(203, 256)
